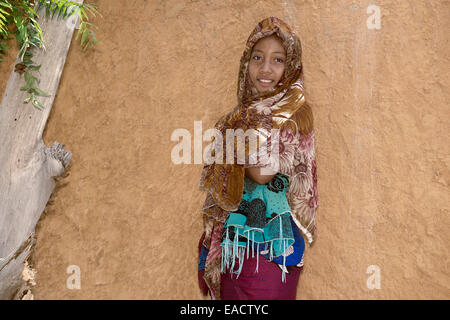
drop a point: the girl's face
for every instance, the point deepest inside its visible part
(267, 63)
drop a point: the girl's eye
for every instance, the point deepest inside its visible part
(279, 60)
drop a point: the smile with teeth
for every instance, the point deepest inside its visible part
(265, 82)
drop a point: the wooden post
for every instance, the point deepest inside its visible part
(27, 166)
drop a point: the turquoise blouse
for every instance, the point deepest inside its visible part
(263, 222)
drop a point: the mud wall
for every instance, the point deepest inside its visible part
(130, 219)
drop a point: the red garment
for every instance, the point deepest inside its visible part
(263, 285)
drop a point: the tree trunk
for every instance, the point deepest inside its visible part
(27, 166)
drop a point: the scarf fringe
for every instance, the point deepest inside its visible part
(232, 251)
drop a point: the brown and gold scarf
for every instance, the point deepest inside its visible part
(283, 108)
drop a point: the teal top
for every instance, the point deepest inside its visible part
(263, 218)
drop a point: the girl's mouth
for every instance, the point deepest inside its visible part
(265, 82)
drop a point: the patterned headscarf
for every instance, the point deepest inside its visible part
(284, 108)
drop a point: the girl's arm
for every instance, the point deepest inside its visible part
(254, 173)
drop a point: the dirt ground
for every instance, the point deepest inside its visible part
(130, 219)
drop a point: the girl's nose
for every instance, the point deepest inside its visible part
(266, 67)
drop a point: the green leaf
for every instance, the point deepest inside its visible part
(28, 79)
(64, 12)
(34, 68)
(84, 14)
(5, 4)
(55, 10)
(84, 37)
(61, 6)
(25, 88)
(81, 30)
(32, 11)
(37, 104)
(93, 10)
(39, 92)
(47, 11)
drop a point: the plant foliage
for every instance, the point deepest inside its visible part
(20, 18)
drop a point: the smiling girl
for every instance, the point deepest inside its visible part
(255, 220)
(267, 63)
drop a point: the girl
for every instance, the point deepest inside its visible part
(251, 247)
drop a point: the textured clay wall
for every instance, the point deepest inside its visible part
(130, 218)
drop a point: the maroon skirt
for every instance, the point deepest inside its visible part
(265, 284)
